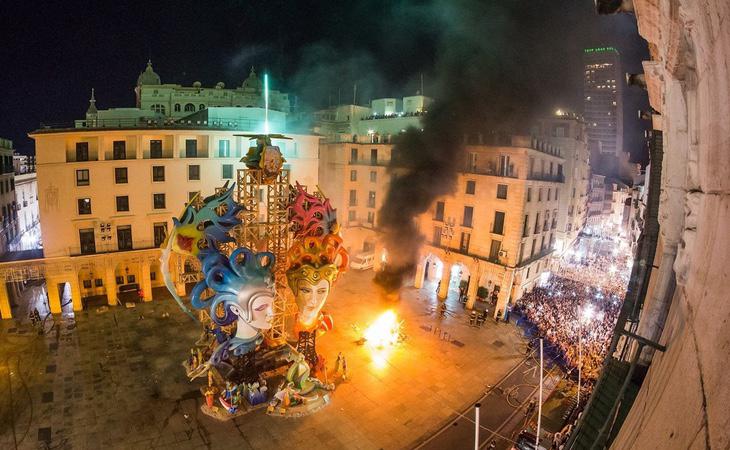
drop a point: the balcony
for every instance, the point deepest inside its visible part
(369, 162)
(557, 178)
(492, 169)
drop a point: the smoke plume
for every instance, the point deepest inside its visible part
(477, 89)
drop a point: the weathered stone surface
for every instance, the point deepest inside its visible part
(684, 400)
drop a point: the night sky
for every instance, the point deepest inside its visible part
(52, 55)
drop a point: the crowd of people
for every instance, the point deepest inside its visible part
(579, 305)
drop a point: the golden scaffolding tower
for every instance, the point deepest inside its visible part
(269, 233)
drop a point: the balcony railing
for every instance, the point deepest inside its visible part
(558, 178)
(369, 162)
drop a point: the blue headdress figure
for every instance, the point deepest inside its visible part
(243, 286)
(198, 232)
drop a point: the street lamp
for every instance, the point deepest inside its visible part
(583, 317)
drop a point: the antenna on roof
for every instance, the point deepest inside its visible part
(422, 93)
(266, 103)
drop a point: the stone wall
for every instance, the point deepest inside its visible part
(684, 400)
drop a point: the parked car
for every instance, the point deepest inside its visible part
(363, 262)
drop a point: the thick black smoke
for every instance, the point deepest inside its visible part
(470, 98)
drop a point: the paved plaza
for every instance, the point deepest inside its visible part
(113, 379)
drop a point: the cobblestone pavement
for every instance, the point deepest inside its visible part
(113, 379)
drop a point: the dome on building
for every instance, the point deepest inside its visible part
(148, 76)
(253, 81)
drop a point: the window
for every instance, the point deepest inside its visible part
(498, 222)
(464, 244)
(224, 148)
(201, 107)
(351, 216)
(542, 243)
(84, 205)
(468, 213)
(353, 175)
(120, 175)
(494, 250)
(158, 173)
(124, 237)
(373, 176)
(82, 151)
(119, 150)
(189, 107)
(371, 217)
(537, 223)
(130, 278)
(471, 187)
(374, 156)
(191, 148)
(87, 242)
(193, 172)
(120, 280)
(155, 148)
(549, 194)
(532, 250)
(158, 201)
(539, 195)
(192, 194)
(158, 108)
(439, 212)
(122, 203)
(98, 282)
(371, 199)
(227, 171)
(529, 194)
(177, 107)
(437, 236)
(82, 177)
(556, 193)
(522, 252)
(159, 232)
(353, 197)
(353, 155)
(502, 191)
(526, 226)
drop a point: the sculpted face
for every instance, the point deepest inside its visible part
(254, 309)
(311, 299)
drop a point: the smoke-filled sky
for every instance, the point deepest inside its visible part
(530, 52)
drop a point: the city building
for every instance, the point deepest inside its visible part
(175, 101)
(26, 197)
(9, 229)
(23, 163)
(607, 214)
(603, 107)
(498, 230)
(353, 158)
(109, 185)
(567, 131)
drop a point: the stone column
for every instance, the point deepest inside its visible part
(471, 294)
(420, 275)
(145, 281)
(445, 280)
(110, 284)
(76, 294)
(504, 292)
(54, 299)
(5, 311)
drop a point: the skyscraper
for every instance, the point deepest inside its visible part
(603, 107)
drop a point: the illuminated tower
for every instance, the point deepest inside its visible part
(603, 107)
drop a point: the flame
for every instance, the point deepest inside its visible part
(382, 336)
(384, 331)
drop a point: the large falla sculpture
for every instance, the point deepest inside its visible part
(315, 260)
(235, 300)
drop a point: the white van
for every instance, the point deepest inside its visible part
(363, 261)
